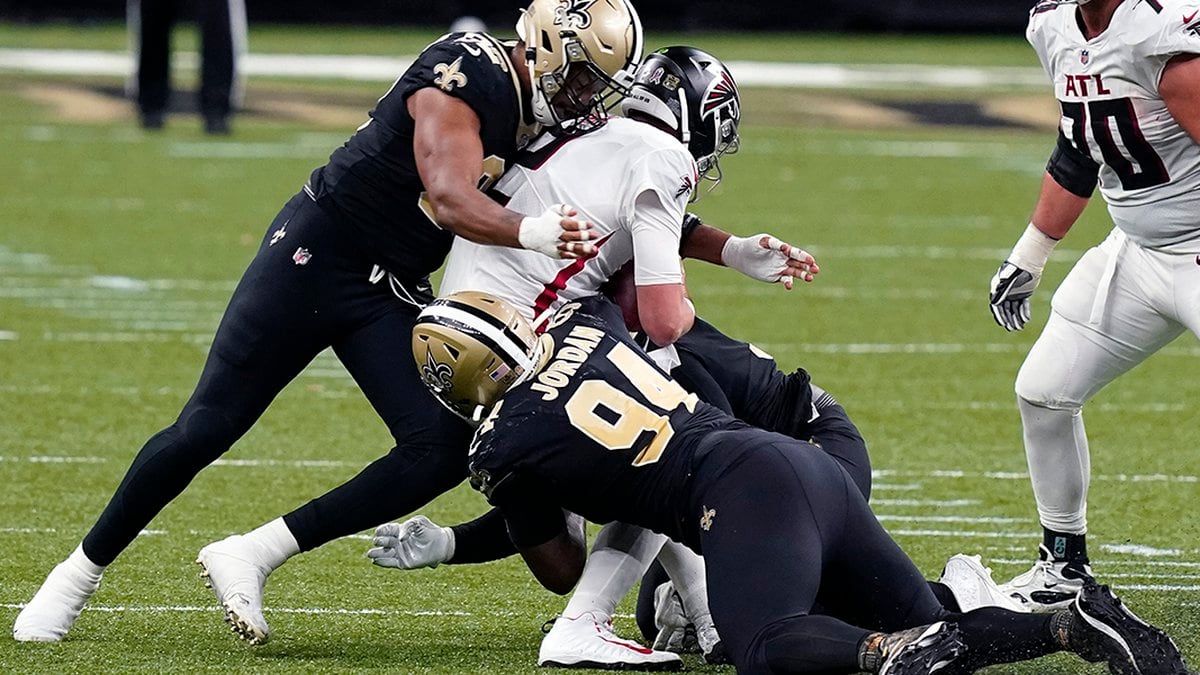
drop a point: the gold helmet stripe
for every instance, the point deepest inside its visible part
(507, 348)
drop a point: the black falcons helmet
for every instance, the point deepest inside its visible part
(693, 93)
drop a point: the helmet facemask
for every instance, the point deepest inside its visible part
(579, 55)
(577, 98)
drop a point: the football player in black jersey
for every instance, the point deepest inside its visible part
(802, 578)
(345, 265)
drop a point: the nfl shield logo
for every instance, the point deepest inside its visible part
(1084, 57)
(301, 256)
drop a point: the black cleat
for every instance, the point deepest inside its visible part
(929, 650)
(216, 125)
(1105, 630)
(153, 120)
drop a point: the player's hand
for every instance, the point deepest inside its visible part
(1011, 289)
(672, 622)
(417, 542)
(765, 258)
(558, 234)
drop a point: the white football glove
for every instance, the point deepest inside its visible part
(417, 542)
(548, 235)
(765, 258)
(675, 632)
(1011, 289)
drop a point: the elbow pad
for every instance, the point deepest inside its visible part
(690, 222)
(1076, 172)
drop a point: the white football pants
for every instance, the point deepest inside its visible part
(1119, 304)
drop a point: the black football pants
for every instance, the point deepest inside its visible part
(218, 21)
(308, 288)
(789, 532)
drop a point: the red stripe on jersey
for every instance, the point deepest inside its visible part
(552, 288)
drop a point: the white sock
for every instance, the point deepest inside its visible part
(621, 555)
(80, 560)
(1056, 448)
(274, 542)
(686, 570)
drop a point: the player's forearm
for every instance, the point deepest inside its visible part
(473, 216)
(705, 242)
(664, 312)
(481, 540)
(1057, 209)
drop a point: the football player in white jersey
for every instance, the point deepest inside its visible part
(632, 179)
(1127, 78)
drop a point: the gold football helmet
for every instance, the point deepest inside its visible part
(581, 55)
(471, 347)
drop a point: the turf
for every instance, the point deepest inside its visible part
(118, 250)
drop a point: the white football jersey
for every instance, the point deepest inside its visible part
(629, 179)
(1112, 111)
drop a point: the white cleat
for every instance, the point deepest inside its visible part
(56, 605)
(973, 587)
(230, 568)
(587, 642)
(1048, 586)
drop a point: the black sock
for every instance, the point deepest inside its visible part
(1063, 547)
(945, 596)
(995, 635)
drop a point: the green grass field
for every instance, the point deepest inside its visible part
(118, 250)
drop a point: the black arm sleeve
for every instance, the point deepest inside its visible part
(532, 523)
(690, 222)
(1076, 172)
(482, 540)
(532, 518)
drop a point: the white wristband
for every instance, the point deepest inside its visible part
(449, 544)
(1032, 250)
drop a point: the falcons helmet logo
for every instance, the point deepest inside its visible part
(722, 92)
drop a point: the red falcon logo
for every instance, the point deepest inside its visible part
(722, 92)
(685, 187)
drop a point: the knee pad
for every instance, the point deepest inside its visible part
(206, 432)
(1042, 380)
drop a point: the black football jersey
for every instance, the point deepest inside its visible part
(599, 431)
(372, 183)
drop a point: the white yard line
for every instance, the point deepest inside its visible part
(1020, 475)
(8, 336)
(387, 69)
(966, 534)
(923, 348)
(891, 518)
(1140, 550)
(878, 473)
(159, 609)
(1138, 563)
(925, 502)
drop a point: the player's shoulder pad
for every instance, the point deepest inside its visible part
(466, 62)
(1045, 8)
(1045, 14)
(1162, 28)
(654, 155)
